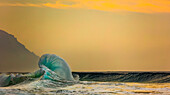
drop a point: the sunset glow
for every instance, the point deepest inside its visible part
(93, 35)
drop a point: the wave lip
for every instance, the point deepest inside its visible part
(55, 66)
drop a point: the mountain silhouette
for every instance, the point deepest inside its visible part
(14, 57)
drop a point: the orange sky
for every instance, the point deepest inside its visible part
(144, 6)
(94, 35)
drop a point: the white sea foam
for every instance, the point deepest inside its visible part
(87, 87)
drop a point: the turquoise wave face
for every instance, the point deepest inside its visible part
(55, 66)
(52, 67)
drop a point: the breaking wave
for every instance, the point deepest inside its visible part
(54, 71)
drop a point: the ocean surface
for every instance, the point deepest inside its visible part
(95, 83)
(54, 76)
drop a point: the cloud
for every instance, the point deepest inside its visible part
(142, 6)
(20, 4)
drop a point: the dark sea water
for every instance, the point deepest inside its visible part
(149, 77)
(95, 83)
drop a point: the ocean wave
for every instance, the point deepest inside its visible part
(53, 70)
